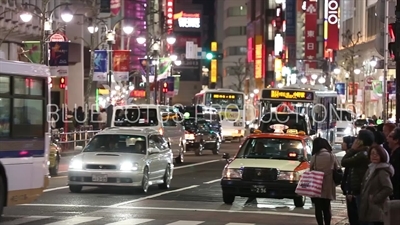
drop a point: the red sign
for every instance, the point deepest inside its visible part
(138, 94)
(121, 59)
(311, 32)
(115, 7)
(353, 89)
(181, 41)
(170, 14)
(332, 23)
(57, 38)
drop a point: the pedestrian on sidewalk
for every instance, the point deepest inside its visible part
(394, 145)
(376, 187)
(323, 160)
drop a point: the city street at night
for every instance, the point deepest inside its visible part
(194, 198)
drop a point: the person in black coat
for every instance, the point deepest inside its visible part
(394, 144)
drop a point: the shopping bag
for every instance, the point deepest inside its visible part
(310, 184)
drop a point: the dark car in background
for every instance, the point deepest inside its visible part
(201, 135)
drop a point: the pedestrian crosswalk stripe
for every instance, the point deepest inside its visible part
(239, 224)
(27, 219)
(76, 220)
(131, 222)
(186, 222)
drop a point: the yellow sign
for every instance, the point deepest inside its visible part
(258, 68)
(214, 46)
(258, 62)
(288, 95)
(224, 96)
(213, 78)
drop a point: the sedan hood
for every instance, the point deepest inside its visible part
(109, 158)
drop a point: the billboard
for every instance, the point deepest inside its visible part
(187, 20)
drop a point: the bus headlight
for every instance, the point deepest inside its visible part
(232, 173)
(288, 175)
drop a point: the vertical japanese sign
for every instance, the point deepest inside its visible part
(311, 34)
(100, 65)
(290, 33)
(258, 62)
(121, 65)
(59, 58)
(331, 24)
(213, 78)
(33, 50)
(170, 14)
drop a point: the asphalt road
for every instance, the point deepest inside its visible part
(194, 198)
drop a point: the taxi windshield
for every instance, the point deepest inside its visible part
(113, 143)
(271, 148)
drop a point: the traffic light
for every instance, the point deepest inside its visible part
(214, 55)
(165, 87)
(209, 56)
(63, 85)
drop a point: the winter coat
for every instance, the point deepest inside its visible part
(325, 161)
(376, 189)
(357, 161)
(395, 161)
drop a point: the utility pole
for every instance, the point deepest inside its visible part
(397, 58)
(385, 61)
(148, 49)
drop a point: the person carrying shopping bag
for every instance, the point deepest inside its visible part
(323, 160)
(376, 187)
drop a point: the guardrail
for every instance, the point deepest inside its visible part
(67, 141)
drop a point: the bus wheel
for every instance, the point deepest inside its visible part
(2, 195)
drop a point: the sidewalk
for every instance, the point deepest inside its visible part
(339, 208)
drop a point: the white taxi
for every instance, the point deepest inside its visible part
(123, 157)
(267, 165)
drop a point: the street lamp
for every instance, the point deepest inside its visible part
(357, 71)
(314, 76)
(178, 62)
(373, 61)
(173, 57)
(303, 80)
(93, 29)
(141, 40)
(128, 29)
(321, 80)
(26, 16)
(171, 39)
(336, 71)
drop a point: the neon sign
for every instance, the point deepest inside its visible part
(288, 95)
(188, 20)
(223, 96)
(170, 14)
(333, 9)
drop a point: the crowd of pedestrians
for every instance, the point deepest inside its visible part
(371, 177)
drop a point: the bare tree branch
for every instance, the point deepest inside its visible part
(241, 71)
(8, 34)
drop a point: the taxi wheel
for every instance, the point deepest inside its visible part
(299, 201)
(75, 188)
(2, 194)
(145, 180)
(228, 199)
(166, 179)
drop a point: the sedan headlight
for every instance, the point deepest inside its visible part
(288, 175)
(232, 173)
(189, 136)
(76, 165)
(128, 166)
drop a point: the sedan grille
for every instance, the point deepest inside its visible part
(101, 167)
(259, 174)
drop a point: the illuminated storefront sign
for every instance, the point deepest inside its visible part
(331, 24)
(258, 62)
(288, 95)
(170, 14)
(224, 96)
(188, 20)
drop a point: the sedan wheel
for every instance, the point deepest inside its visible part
(166, 179)
(145, 180)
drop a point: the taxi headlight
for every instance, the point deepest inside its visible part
(76, 165)
(232, 173)
(128, 166)
(288, 175)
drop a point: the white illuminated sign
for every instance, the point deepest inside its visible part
(278, 48)
(332, 10)
(189, 22)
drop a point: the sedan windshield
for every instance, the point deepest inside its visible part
(114, 143)
(271, 148)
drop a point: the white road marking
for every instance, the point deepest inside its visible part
(212, 181)
(75, 220)
(186, 222)
(25, 220)
(131, 222)
(176, 168)
(154, 196)
(240, 224)
(276, 213)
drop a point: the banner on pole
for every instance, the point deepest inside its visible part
(33, 51)
(100, 65)
(59, 59)
(121, 65)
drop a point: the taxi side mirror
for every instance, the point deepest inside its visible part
(252, 130)
(302, 159)
(226, 156)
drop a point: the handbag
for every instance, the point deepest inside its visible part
(337, 173)
(310, 184)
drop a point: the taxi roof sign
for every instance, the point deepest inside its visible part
(292, 131)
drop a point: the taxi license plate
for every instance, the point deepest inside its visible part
(258, 189)
(99, 178)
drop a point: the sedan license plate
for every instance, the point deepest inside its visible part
(258, 189)
(99, 178)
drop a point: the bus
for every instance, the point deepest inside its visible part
(315, 101)
(230, 106)
(24, 132)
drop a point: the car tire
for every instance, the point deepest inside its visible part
(299, 201)
(145, 180)
(181, 156)
(166, 179)
(216, 148)
(228, 199)
(75, 188)
(54, 170)
(199, 150)
(2, 195)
